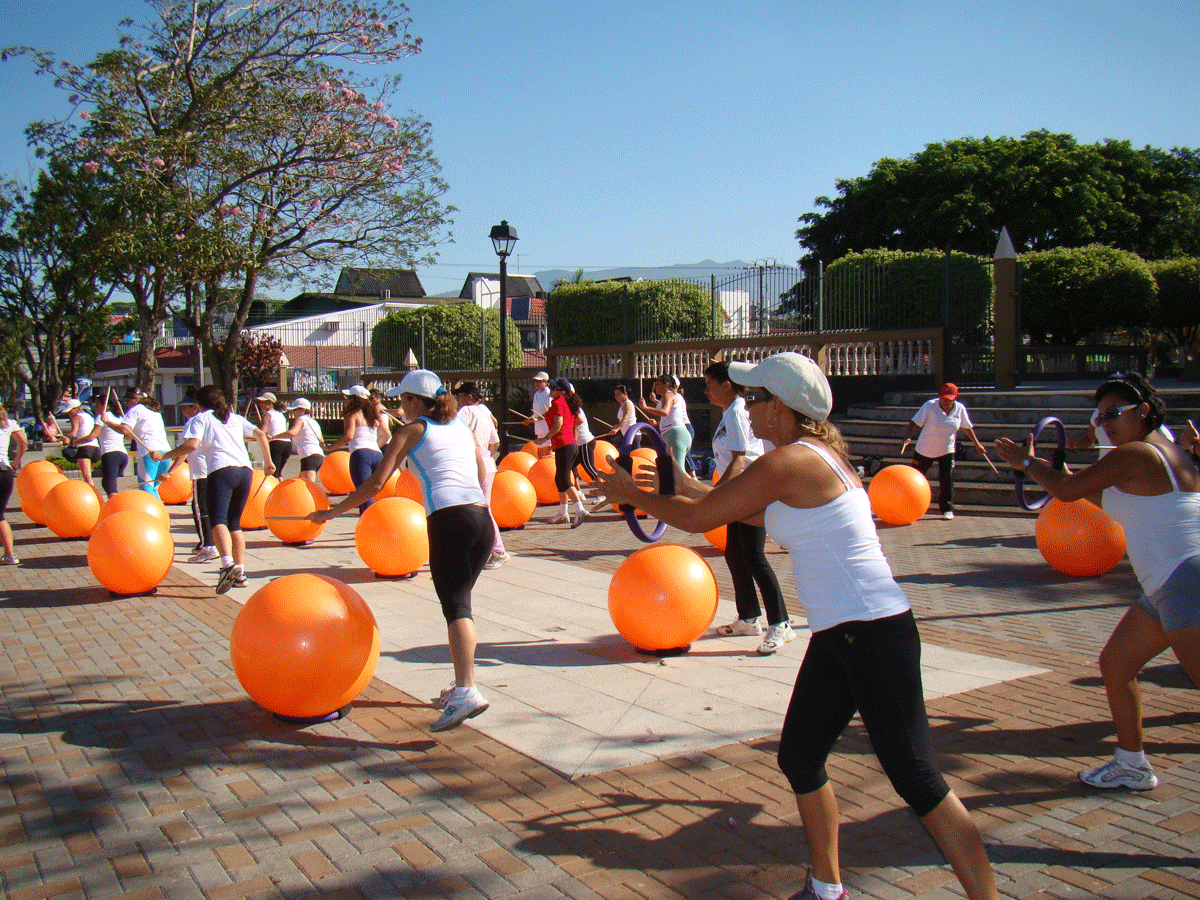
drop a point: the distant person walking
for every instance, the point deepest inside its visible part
(273, 421)
(541, 404)
(939, 420)
(560, 417)
(12, 435)
(307, 440)
(484, 429)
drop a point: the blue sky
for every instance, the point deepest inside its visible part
(661, 133)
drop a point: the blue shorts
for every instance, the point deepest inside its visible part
(1176, 604)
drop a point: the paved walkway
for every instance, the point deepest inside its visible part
(135, 766)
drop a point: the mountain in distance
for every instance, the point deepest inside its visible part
(548, 277)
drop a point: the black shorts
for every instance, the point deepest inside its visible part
(312, 463)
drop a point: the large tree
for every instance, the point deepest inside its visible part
(1048, 189)
(240, 142)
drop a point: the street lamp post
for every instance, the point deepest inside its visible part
(503, 237)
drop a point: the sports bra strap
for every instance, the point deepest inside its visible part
(828, 457)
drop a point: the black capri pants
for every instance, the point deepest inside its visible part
(281, 452)
(7, 479)
(460, 542)
(587, 458)
(873, 668)
(112, 467)
(228, 490)
(564, 463)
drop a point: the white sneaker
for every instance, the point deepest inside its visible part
(1116, 774)
(577, 519)
(496, 560)
(560, 519)
(204, 554)
(439, 702)
(9, 560)
(459, 706)
(776, 637)
(739, 627)
(948, 514)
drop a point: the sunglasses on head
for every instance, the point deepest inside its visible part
(1099, 418)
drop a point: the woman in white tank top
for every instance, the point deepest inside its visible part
(1150, 486)
(864, 653)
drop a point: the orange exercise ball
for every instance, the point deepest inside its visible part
(261, 485)
(391, 537)
(71, 509)
(335, 473)
(513, 499)
(408, 487)
(31, 468)
(389, 486)
(603, 455)
(717, 537)
(534, 450)
(541, 473)
(304, 646)
(662, 597)
(130, 551)
(177, 488)
(141, 501)
(295, 497)
(645, 453)
(1078, 538)
(899, 494)
(37, 486)
(517, 461)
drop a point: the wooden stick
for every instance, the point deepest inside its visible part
(602, 422)
(992, 464)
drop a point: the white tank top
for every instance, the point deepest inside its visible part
(444, 462)
(841, 572)
(308, 440)
(111, 440)
(86, 425)
(1160, 531)
(678, 416)
(365, 437)
(274, 424)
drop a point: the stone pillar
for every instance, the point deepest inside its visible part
(1004, 311)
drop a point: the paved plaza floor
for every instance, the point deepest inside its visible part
(133, 764)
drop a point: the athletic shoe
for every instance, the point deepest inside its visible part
(948, 514)
(809, 891)
(459, 707)
(204, 554)
(560, 519)
(239, 577)
(9, 560)
(1116, 774)
(496, 560)
(226, 579)
(776, 637)
(439, 702)
(577, 519)
(198, 547)
(739, 627)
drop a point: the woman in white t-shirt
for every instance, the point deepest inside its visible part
(11, 434)
(273, 421)
(143, 422)
(487, 439)
(79, 444)
(221, 434)
(939, 420)
(111, 443)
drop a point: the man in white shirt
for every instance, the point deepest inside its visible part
(939, 421)
(541, 403)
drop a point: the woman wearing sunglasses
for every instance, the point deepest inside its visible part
(864, 653)
(1150, 486)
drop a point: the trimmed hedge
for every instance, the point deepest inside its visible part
(589, 313)
(451, 337)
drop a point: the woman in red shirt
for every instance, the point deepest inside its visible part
(560, 417)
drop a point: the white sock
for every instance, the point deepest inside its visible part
(826, 891)
(562, 509)
(579, 507)
(226, 562)
(1135, 758)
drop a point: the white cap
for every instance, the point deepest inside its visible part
(300, 403)
(795, 379)
(69, 404)
(358, 391)
(266, 396)
(421, 382)
(541, 376)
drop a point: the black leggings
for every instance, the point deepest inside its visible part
(587, 459)
(7, 479)
(228, 490)
(564, 463)
(112, 467)
(460, 542)
(200, 511)
(745, 554)
(281, 452)
(945, 497)
(873, 668)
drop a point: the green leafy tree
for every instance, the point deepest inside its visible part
(239, 143)
(1178, 309)
(1049, 190)
(1070, 293)
(450, 335)
(592, 313)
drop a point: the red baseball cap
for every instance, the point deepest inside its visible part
(949, 391)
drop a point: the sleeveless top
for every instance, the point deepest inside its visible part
(274, 424)
(111, 440)
(841, 572)
(677, 417)
(87, 426)
(1161, 531)
(308, 440)
(444, 462)
(365, 437)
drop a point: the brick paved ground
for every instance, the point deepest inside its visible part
(134, 766)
